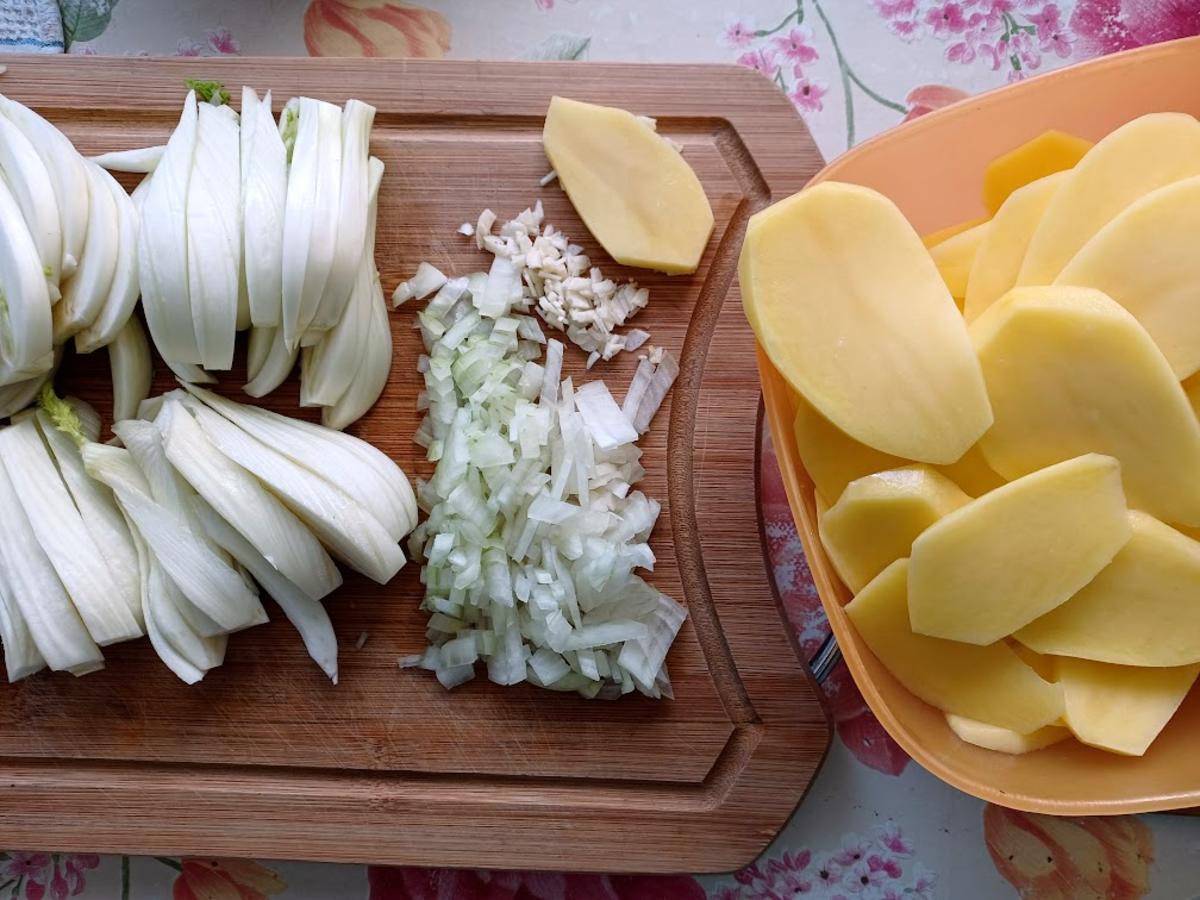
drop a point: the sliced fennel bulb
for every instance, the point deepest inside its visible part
(264, 197)
(38, 593)
(83, 295)
(306, 614)
(270, 361)
(29, 180)
(301, 120)
(345, 462)
(204, 577)
(99, 511)
(241, 500)
(214, 241)
(68, 178)
(15, 397)
(354, 197)
(370, 378)
(347, 529)
(132, 369)
(333, 364)
(124, 290)
(163, 246)
(25, 318)
(21, 656)
(64, 536)
(139, 159)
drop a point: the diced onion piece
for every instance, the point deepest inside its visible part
(602, 417)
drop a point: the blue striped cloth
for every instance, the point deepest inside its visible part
(30, 26)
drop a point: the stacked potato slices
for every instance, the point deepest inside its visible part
(172, 533)
(1001, 425)
(68, 259)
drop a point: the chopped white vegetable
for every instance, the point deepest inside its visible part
(36, 591)
(21, 656)
(29, 179)
(139, 159)
(426, 280)
(270, 361)
(84, 294)
(242, 501)
(163, 245)
(214, 239)
(124, 289)
(306, 614)
(665, 373)
(64, 536)
(25, 318)
(132, 369)
(264, 196)
(533, 534)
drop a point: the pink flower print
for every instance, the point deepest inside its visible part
(544, 4)
(58, 884)
(727, 892)
(1106, 26)
(992, 12)
(26, 865)
(893, 9)
(907, 30)
(797, 46)
(1058, 43)
(761, 60)
(854, 850)
(860, 878)
(223, 43)
(923, 884)
(749, 874)
(893, 840)
(34, 890)
(884, 864)
(188, 47)
(737, 33)
(995, 54)
(827, 873)
(926, 98)
(946, 19)
(1048, 20)
(808, 92)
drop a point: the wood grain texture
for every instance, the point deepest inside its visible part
(265, 757)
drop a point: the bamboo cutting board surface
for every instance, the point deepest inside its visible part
(265, 758)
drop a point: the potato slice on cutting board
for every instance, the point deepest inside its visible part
(1049, 152)
(636, 193)
(846, 302)
(997, 563)
(1070, 371)
(1121, 708)
(989, 684)
(1145, 259)
(1000, 254)
(955, 256)
(877, 518)
(1141, 610)
(1005, 740)
(1137, 158)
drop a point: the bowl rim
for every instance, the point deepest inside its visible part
(780, 409)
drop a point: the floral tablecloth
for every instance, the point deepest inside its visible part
(873, 825)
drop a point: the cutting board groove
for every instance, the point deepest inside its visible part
(265, 757)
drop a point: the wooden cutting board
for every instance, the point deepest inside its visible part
(265, 757)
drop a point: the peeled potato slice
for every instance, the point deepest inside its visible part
(1138, 157)
(637, 195)
(878, 517)
(1141, 609)
(956, 255)
(1005, 740)
(1145, 260)
(997, 563)
(1049, 152)
(998, 261)
(849, 307)
(990, 683)
(1121, 708)
(1069, 371)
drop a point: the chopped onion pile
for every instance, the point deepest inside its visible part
(539, 263)
(534, 530)
(68, 254)
(163, 535)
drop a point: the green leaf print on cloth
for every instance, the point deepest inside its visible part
(84, 20)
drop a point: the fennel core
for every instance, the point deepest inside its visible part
(209, 91)
(62, 414)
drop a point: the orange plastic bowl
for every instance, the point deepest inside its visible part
(933, 169)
